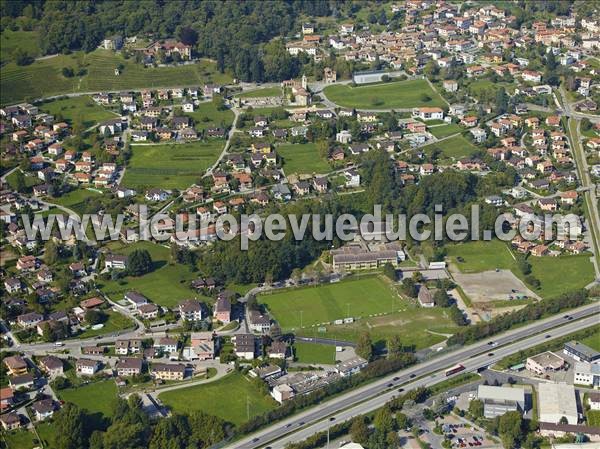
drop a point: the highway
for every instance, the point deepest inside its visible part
(375, 394)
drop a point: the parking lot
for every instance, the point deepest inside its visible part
(463, 435)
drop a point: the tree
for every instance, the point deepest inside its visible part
(359, 432)
(510, 428)
(139, 262)
(409, 287)
(20, 185)
(501, 101)
(70, 430)
(50, 252)
(188, 36)
(389, 271)
(93, 317)
(364, 346)
(402, 420)
(476, 408)
(441, 298)
(383, 420)
(394, 347)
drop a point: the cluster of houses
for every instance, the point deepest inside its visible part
(450, 34)
(154, 115)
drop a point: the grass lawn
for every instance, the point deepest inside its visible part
(593, 341)
(44, 78)
(302, 158)
(455, 147)
(166, 285)
(314, 353)
(19, 439)
(444, 130)
(10, 41)
(30, 181)
(47, 432)
(158, 253)
(206, 116)
(593, 418)
(97, 397)
(556, 274)
(477, 87)
(241, 289)
(266, 92)
(115, 322)
(325, 303)
(226, 398)
(75, 199)
(399, 94)
(169, 166)
(69, 108)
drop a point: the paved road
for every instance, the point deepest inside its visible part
(375, 394)
(225, 151)
(585, 179)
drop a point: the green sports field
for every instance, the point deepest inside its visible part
(398, 94)
(44, 78)
(314, 353)
(325, 303)
(302, 158)
(69, 108)
(227, 398)
(169, 166)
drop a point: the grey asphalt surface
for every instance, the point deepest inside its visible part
(376, 394)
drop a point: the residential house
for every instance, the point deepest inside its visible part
(129, 366)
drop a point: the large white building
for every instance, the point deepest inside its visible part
(557, 401)
(587, 374)
(499, 400)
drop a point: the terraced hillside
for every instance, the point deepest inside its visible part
(44, 78)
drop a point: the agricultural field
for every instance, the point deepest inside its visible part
(556, 274)
(97, 397)
(302, 158)
(67, 109)
(206, 116)
(10, 41)
(324, 303)
(314, 353)
(397, 94)
(169, 166)
(226, 398)
(455, 147)
(44, 78)
(265, 92)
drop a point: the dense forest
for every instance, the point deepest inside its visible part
(238, 35)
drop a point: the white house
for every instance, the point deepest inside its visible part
(428, 113)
